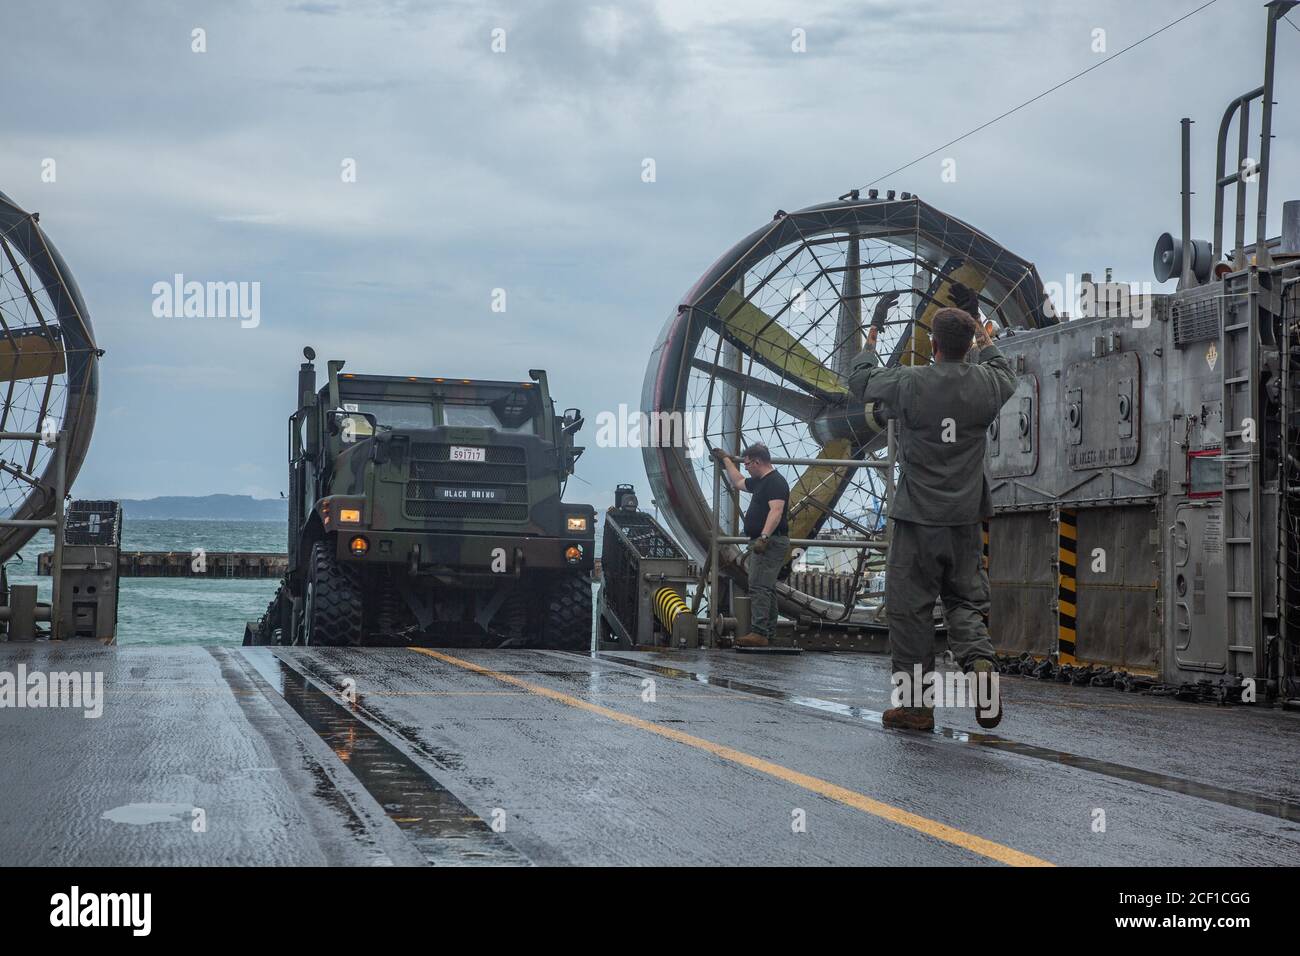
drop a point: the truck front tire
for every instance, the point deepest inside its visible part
(566, 614)
(332, 611)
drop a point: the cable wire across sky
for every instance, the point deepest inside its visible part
(1015, 109)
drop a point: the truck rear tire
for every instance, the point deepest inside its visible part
(267, 629)
(332, 611)
(566, 614)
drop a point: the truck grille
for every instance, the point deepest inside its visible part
(487, 511)
(505, 472)
(468, 472)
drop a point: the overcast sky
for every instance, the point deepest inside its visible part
(522, 170)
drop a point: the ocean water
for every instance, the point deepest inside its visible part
(181, 610)
(178, 610)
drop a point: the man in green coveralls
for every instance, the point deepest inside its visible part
(943, 413)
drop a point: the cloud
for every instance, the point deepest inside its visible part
(325, 9)
(522, 170)
(597, 50)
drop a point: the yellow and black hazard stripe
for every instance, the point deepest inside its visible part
(669, 604)
(1066, 591)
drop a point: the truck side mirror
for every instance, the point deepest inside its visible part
(572, 421)
(350, 426)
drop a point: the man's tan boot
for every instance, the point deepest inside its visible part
(751, 640)
(908, 718)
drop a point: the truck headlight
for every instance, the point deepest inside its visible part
(577, 524)
(350, 516)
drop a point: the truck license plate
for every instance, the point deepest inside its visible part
(462, 453)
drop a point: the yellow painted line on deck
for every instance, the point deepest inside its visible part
(850, 798)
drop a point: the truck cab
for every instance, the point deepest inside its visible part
(430, 509)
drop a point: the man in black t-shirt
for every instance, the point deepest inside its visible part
(767, 526)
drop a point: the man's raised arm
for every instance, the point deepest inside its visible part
(736, 479)
(868, 381)
(1004, 380)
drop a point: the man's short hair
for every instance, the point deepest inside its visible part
(952, 331)
(757, 452)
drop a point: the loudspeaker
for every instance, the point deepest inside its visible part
(1168, 258)
(625, 498)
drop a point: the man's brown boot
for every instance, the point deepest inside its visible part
(908, 718)
(751, 640)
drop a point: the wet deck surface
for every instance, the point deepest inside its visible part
(395, 756)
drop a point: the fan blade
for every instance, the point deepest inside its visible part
(758, 335)
(822, 484)
(796, 404)
(939, 297)
(30, 353)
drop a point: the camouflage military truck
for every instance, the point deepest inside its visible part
(427, 510)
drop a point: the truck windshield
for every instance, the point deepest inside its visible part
(482, 416)
(397, 415)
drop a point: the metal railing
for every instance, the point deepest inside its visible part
(54, 524)
(717, 538)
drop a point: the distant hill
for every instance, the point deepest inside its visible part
(208, 508)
